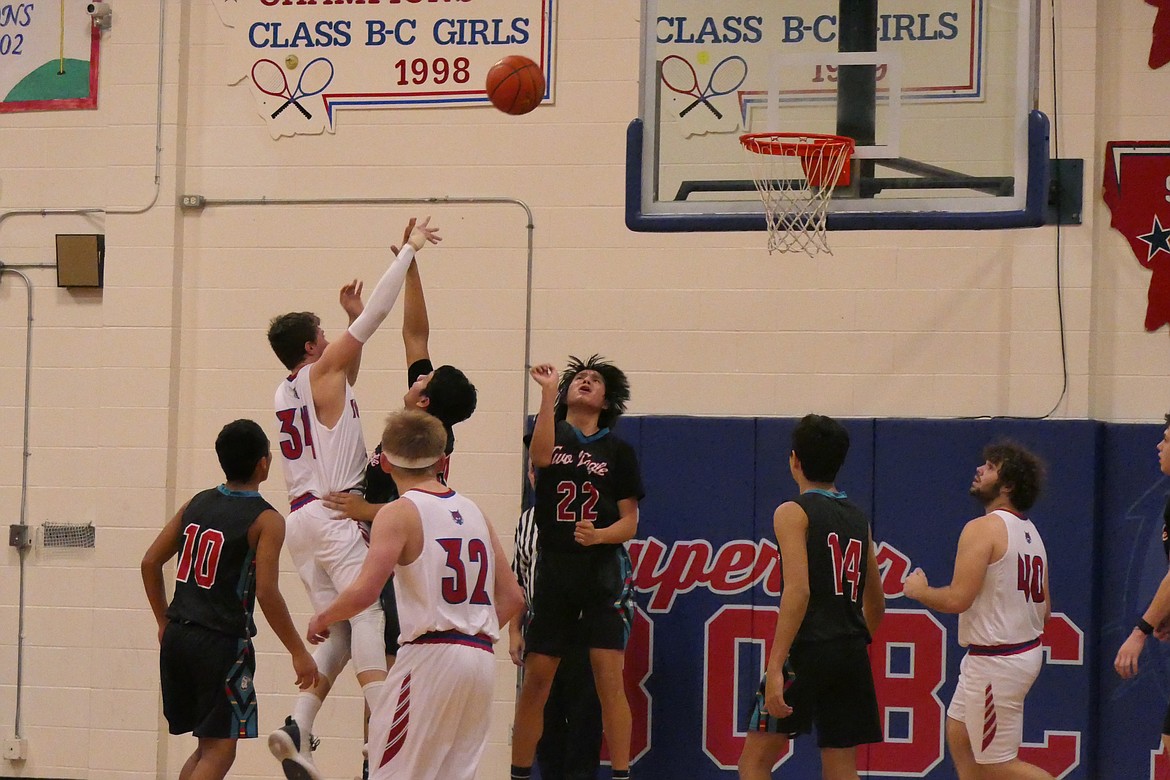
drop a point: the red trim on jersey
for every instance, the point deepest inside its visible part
(1016, 649)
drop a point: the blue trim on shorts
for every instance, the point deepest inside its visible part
(480, 641)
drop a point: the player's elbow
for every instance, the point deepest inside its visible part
(268, 595)
(511, 602)
(958, 603)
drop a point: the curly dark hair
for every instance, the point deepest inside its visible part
(288, 334)
(1019, 469)
(617, 388)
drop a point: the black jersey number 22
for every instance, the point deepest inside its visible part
(568, 493)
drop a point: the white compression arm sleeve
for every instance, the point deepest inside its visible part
(383, 297)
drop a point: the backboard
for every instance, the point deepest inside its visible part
(940, 98)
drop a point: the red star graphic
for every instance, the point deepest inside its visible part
(1160, 47)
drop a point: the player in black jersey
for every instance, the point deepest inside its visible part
(588, 486)
(1156, 618)
(818, 669)
(228, 540)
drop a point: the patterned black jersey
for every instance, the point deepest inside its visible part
(380, 487)
(1166, 529)
(586, 479)
(215, 584)
(838, 550)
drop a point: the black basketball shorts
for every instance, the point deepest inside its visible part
(586, 598)
(207, 682)
(828, 685)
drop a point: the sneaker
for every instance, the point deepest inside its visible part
(285, 744)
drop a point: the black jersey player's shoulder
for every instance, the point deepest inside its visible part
(255, 503)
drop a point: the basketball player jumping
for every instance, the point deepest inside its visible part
(454, 589)
(324, 451)
(818, 670)
(588, 486)
(1000, 591)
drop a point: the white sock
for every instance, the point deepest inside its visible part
(304, 713)
(374, 692)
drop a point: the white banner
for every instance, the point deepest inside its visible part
(48, 56)
(308, 60)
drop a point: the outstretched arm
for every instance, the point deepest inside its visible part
(540, 449)
(350, 298)
(416, 326)
(333, 367)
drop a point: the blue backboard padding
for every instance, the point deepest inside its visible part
(719, 480)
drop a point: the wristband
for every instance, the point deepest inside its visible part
(1144, 627)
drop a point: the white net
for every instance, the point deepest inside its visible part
(795, 176)
(67, 535)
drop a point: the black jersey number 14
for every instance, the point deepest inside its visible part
(846, 566)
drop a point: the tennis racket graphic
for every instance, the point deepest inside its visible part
(679, 76)
(269, 79)
(315, 79)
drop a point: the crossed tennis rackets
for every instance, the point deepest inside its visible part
(315, 77)
(679, 76)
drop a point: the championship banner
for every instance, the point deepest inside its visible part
(708, 583)
(1137, 192)
(746, 50)
(307, 60)
(48, 56)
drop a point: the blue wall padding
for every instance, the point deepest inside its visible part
(713, 483)
(1133, 494)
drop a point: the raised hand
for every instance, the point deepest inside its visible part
(351, 299)
(405, 236)
(422, 234)
(545, 375)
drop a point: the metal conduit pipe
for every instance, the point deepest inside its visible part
(25, 453)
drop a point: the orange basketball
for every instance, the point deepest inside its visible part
(515, 84)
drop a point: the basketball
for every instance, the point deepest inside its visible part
(515, 84)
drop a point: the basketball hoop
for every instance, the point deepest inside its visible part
(795, 174)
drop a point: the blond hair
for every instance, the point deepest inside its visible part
(413, 440)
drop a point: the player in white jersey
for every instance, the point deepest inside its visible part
(454, 589)
(1000, 592)
(323, 450)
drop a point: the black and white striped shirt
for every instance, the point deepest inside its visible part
(524, 562)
